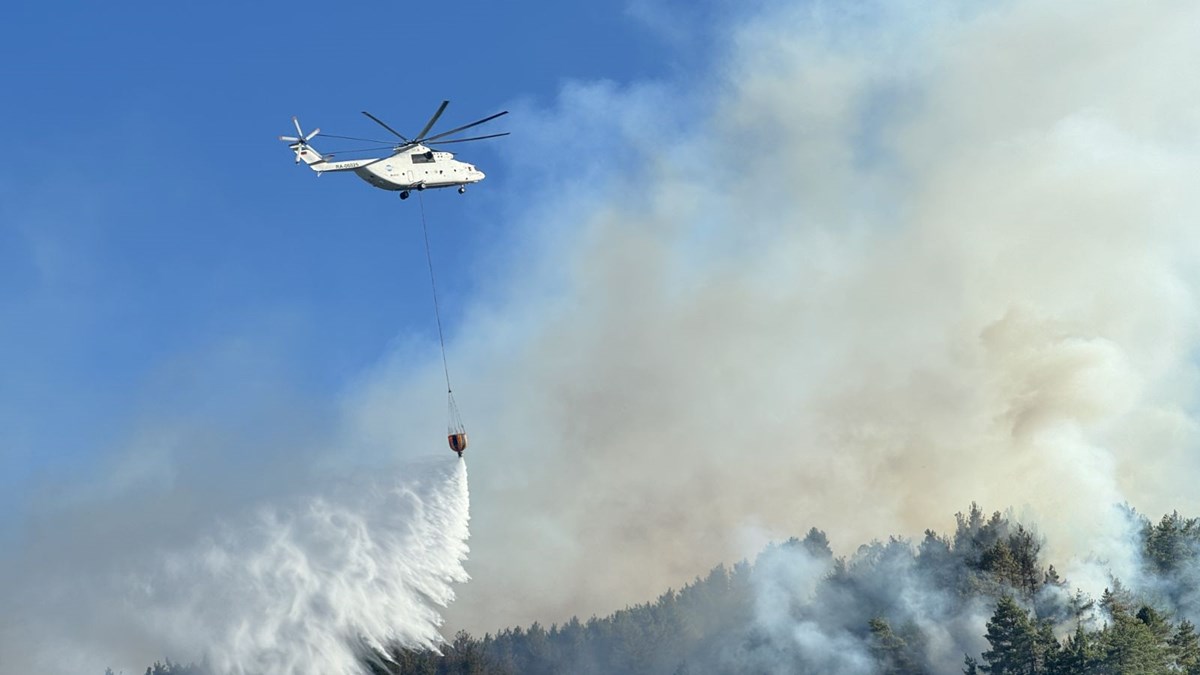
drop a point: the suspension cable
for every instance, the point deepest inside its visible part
(437, 312)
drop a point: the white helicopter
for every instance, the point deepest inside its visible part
(413, 164)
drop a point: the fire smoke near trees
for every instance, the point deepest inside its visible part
(889, 259)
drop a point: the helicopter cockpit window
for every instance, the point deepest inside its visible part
(422, 158)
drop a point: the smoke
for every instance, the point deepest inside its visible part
(883, 260)
(786, 583)
(298, 586)
(812, 614)
(886, 260)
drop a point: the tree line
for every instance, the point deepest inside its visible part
(979, 600)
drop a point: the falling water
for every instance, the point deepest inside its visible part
(301, 587)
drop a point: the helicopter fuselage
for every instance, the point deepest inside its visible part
(417, 168)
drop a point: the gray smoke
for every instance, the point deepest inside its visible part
(887, 260)
(811, 614)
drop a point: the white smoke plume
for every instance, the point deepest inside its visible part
(299, 586)
(785, 586)
(886, 260)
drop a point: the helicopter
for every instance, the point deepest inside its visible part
(414, 164)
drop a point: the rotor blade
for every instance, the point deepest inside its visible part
(289, 139)
(314, 132)
(342, 152)
(464, 127)
(297, 123)
(473, 138)
(381, 123)
(354, 138)
(432, 120)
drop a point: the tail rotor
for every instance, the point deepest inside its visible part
(300, 140)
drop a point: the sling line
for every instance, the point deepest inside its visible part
(437, 312)
(456, 432)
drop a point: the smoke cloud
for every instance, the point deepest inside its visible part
(889, 260)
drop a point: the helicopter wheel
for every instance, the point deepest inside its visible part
(462, 190)
(404, 194)
(420, 188)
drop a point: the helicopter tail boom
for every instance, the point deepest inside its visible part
(309, 155)
(321, 163)
(315, 160)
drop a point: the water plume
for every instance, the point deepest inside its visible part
(299, 587)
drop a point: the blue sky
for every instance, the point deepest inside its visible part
(156, 239)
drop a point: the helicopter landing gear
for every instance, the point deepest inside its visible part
(462, 190)
(404, 194)
(421, 188)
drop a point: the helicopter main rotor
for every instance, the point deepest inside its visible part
(423, 138)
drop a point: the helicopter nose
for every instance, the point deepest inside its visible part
(477, 175)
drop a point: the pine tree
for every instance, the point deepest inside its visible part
(1046, 648)
(999, 561)
(1171, 543)
(1025, 549)
(1078, 656)
(817, 545)
(465, 655)
(891, 652)
(1185, 648)
(1117, 600)
(1153, 620)
(1052, 578)
(1132, 646)
(1012, 638)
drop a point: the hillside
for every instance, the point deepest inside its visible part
(979, 600)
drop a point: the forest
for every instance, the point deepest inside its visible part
(980, 600)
